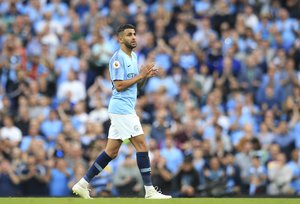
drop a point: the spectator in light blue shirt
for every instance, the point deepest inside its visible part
(64, 64)
(163, 60)
(287, 26)
(240, 117)
(33, 10)
(33, 136)
(263, 26)
(173, 156)
(245, 132)
(202, 7)
(154, 84)
(51, 127)
(258, 177)
(294, 165)
(296, 130)
(58, 9)
(273, 95)
(188, 59)
(167, 5)
(285, 137)
(60, 177)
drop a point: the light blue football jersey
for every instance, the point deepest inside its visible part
(122, 67)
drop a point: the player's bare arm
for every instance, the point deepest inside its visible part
(145, 72)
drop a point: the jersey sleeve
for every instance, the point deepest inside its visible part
(117, 69)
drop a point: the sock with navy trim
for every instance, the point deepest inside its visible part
(143, 163)
(100, 163)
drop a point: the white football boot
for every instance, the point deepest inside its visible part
(154, 193)
(81, 189)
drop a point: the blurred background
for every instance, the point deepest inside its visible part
(221, 119)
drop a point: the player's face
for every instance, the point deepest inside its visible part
(128, 38)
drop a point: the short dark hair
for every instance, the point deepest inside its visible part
(124, 27)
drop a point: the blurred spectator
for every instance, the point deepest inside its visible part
(280, 176)
(90, 134)
(64, 64)
(232, 174)
(99, 114)
(35, 176)
(215, 180)
(34, 69)
(204, 31)
(268, 95)
(51, 127)
(284, 137)
(79, 118)
(265, 136)
(159, 127)
(85, 75)
(60, 177)
(6, 106)
(23, 120)
(288, 77)
(161, 175)
(101, 51)
(205, 80)
(127, 180)
(222, 138)
(10, 62)
(162, 55)
(293, 164)
(72, 89)
(258, 177)
(186, 180)
(250, 75)
(8, 180)
(251, 20)
(243, 161)
(199, 163)
(162, 83)
(286, 25)
(33, 136)
(173, 156)
(274, 151)
(10, 132)
(73, 154)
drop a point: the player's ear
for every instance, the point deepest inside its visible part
(120, 37)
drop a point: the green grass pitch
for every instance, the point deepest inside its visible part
(144, 201)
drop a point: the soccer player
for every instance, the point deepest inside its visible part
(125, 124)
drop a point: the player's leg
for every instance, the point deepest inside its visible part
(142, 158)
(143, 163)
(111, 151)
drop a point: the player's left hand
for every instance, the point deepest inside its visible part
(154, 72)
(146, 69)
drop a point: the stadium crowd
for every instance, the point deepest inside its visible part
(222, 118)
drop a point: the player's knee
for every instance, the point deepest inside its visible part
(142, 147)
(112, 154)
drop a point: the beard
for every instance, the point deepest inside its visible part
(129, 45)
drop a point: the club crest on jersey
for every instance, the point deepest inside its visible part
(116, 64)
